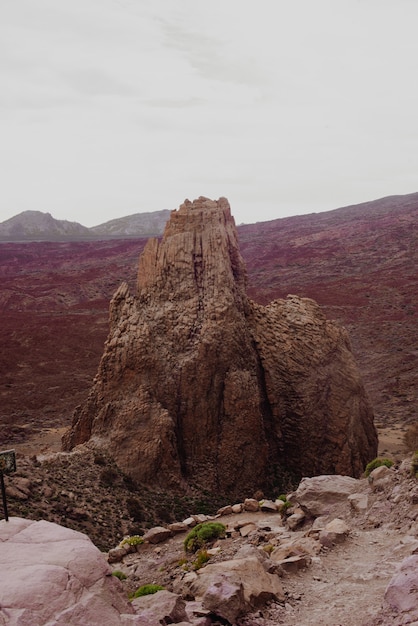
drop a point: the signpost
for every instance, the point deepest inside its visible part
(7, 466)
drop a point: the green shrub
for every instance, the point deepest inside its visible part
(118, 574)
(147, 590)
(284, 499)
(201, 534)
(202, 557)
(377, 463)
(133, 540)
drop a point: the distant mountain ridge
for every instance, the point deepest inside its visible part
(39, 226)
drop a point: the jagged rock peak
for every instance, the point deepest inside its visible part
(199, 385)
(198, 255)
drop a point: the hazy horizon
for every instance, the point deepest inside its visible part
(115, 107)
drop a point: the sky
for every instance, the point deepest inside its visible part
(115, 107)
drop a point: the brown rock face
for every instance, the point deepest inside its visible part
(199, 385)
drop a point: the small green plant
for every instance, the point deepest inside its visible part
(146, 590)
(201, 534)
(118, 574)
(268, 548)
(378, 462)
(287, 504)
(202, 557)
(133, 540)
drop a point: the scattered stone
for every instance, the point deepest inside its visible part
(247, 529)
(237, 508)
(178, 527)
(269, 506)
(295, 520)
(157, 534)
(225, 510)
(200, 518)
(334, 532)
(359, 502)
(293, 564)
(163, 607)
(250, 504)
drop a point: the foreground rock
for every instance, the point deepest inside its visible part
(197, 384)
(53, 575)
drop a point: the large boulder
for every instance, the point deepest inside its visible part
(231, 588)
(323, 495)
(53, 575)
(197, 384)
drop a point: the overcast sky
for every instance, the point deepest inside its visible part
(114, 107)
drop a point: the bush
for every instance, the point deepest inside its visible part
(410, 438)
(118, 574)
(287, 504)
(202, 557)
(201, 534)
(134, 540)
(377, 463)
(147, 590)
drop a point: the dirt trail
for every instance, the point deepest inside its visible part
(344, 587)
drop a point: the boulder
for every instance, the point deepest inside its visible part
(320, 495)
(232, 588)
(163, 607)
(359, 502)
(53, 575)
(295, 520)
(250, 504)
(269, 506)
(246, 529)
(401, 595)
(381, 478)
(225, 510)
(334, 532)
(157, 534)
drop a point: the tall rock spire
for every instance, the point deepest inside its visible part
(198, 385)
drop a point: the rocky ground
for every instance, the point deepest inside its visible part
(338, 584)
(54, 305)
(334, 579)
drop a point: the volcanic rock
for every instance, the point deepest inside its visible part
(200, 386)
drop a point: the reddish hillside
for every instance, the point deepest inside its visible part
(358, 262)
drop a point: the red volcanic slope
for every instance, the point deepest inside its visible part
(359, 263)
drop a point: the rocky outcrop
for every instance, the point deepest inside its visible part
(54, 575)
(199, 385)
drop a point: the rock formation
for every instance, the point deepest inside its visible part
(200, 386)
(53, 575)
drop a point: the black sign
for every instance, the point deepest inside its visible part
(7, 461)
